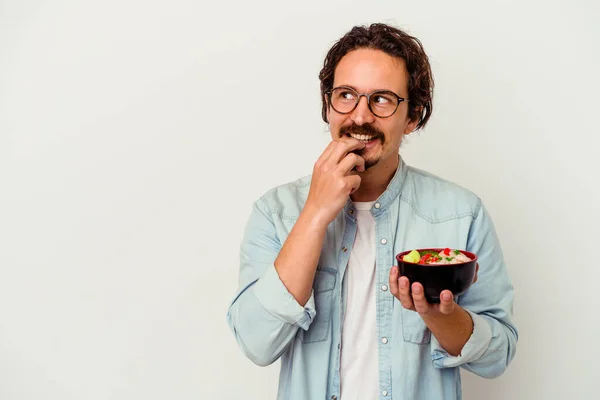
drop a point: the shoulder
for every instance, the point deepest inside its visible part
(286, 200)
(436, 198)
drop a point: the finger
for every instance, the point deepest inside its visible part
(418, 295)
(327, 152)
(447, 303)
(344, 146)
(349, 162)
(353, 182)
(394, 282)
(476, 272)
(404, 293)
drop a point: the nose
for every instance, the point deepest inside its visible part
(362, 114)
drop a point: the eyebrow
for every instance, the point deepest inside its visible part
(375, 90)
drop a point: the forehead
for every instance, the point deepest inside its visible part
(367, 70)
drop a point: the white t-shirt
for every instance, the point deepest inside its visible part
(359, 375)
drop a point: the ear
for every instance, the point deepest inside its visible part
(327, 107)
(414, 122)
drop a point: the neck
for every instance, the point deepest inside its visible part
(376, 179)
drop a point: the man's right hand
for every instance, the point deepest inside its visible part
(332, 182)
(334, 179)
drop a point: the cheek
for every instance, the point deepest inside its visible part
(394, 134)
(336, 122)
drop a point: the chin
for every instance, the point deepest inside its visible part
(370, 163)
(370, 159)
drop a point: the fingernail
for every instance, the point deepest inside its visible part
(402, 283)
(417, 289)
(446, 296)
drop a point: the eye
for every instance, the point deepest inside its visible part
(345, 95)
(382, 99)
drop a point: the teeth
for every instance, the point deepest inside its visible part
(364, 138)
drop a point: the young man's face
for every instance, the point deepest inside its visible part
(367, 70)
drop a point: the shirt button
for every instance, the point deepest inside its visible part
(334, 397)
(377, 205)
(384, 288)
(344, 249)
(384, 393)
(351, 211)
(383, 241)
(384, 340)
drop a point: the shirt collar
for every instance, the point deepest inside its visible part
(391, 193)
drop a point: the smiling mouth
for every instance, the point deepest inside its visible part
(362, 138)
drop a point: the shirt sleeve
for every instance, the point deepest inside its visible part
(489, 302)
(474, 348)
(272, 294)
(264, 317)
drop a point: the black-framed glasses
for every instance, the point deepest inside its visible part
(382, 103)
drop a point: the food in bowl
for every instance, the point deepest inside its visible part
(438, 269)
(431, 257)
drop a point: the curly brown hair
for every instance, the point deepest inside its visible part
(396, 43)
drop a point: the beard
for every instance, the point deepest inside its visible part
(369, 130)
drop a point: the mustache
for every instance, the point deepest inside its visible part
(365, 129)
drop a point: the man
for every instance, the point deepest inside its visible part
(318, 288)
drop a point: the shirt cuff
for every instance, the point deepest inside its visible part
(275, 298)
(474, 348)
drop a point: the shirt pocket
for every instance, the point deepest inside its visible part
(323, 286)
(414, 329)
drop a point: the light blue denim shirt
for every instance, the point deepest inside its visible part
(417, 210)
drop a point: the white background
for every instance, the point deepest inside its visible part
(134, 136)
